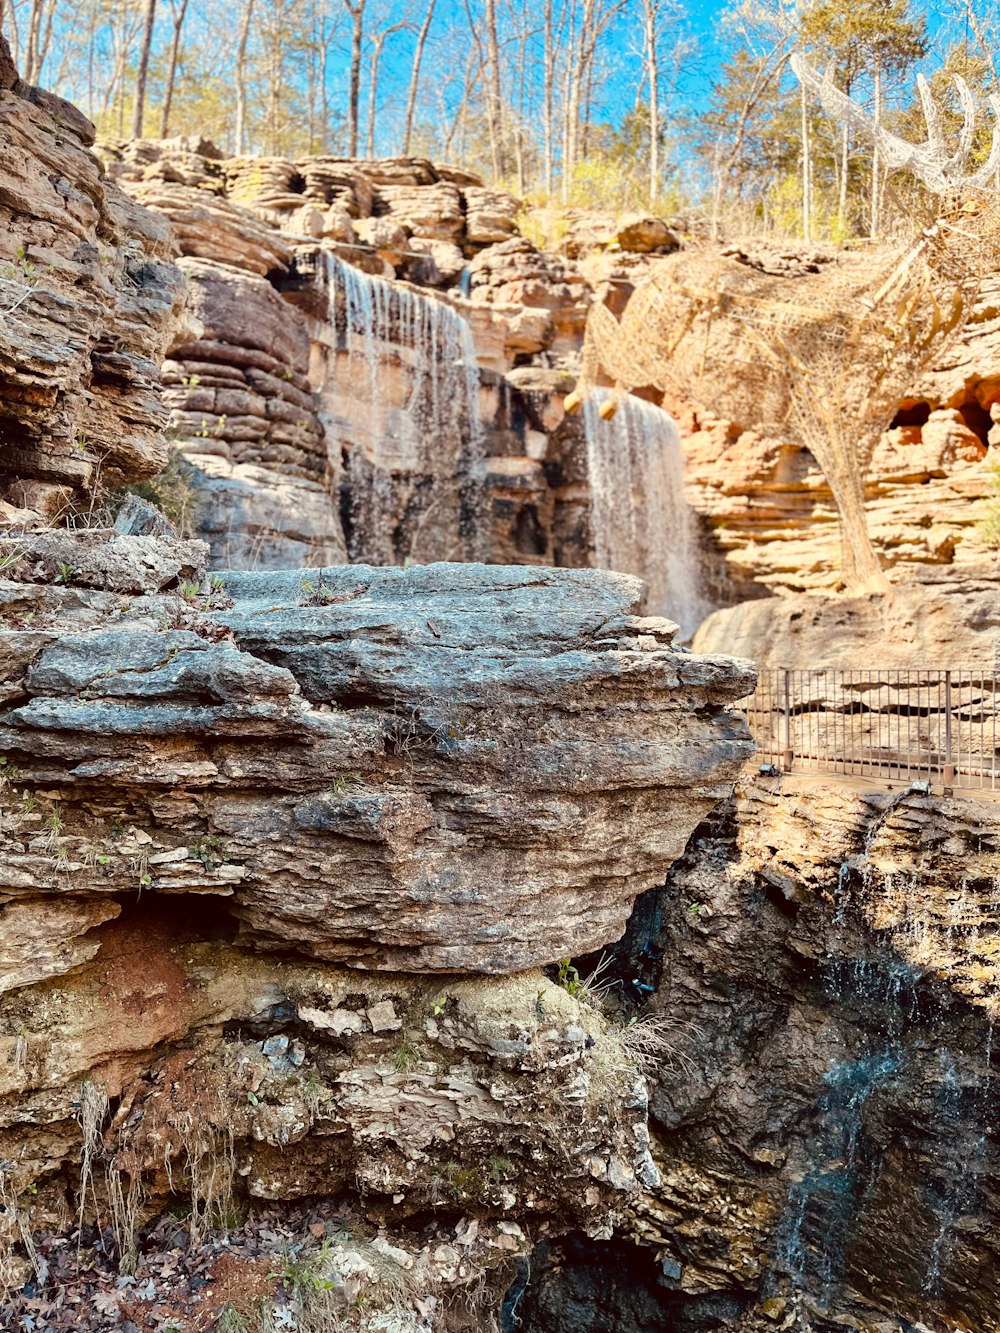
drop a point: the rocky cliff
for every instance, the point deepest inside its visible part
(243, 818)
(825, 1130)
(88, 297)
(282, 854)
(313, 1009)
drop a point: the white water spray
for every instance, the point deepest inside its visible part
(405, 389)
(639, 520)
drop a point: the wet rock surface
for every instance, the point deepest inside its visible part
(825, 1131)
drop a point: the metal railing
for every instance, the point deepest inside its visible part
(938, 727)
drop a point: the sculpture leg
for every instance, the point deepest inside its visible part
(859, 565)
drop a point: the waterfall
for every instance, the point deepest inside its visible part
(639, 520)
(404, 392)
(811, 1242)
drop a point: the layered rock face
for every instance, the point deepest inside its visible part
(433, 733)
(288, 407)
(260, 398)
(946, 618)
(825, 1131)
(770, 509)
(378, 262)
(280, 852)
(88, 296)
(499, 1108)
(225, 803)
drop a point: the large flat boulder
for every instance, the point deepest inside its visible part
(442, 768)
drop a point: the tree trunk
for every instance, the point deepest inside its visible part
(653, 79)
(876, 184)
(471, 78)
(548, 96)
(46, 41)
(378, 41)
(494, 101)
(806, 170)
(241, 80)
(143, 70)
(411, 96)
(274, 83)
(32, 63)
(324, 101)
(571, 103)
(175, 46)
(845, 152)
(356, 9)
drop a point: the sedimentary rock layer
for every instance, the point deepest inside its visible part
(87, 297)
(441, 768)
(826, 1134)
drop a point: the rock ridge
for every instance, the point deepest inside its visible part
(442, 768)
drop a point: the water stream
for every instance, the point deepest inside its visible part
(403, 389)
(903, 1050)
(639, 520)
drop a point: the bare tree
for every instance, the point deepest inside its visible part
(418, 56)
(656, 16)
(378, 41)
(473, 69)
(240, 134)
(553, 25)
(178, 9)
(587, 27)
(39, 35)
(767, 71)
(356, 9)
(143, 70)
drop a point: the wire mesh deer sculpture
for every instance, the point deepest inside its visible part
(826, 355)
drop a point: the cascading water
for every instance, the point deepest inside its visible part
(639, 520)
(404, 390)
(822, 1204)
(891, 1002)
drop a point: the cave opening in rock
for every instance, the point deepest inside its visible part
(911, 414)
(580, 1285)
(977, 419)
(179, 917)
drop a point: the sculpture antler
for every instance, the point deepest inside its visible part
(931, 161)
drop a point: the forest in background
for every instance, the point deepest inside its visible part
(606, 103)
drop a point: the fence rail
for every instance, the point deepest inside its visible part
(896, 725)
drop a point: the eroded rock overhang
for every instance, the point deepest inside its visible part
(443, 768)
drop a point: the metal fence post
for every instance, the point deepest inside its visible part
(948, 776)
(787, 757)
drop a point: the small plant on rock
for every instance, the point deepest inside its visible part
(209, 852)
(318, 593)
(500, 1168)
(405, 1057)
